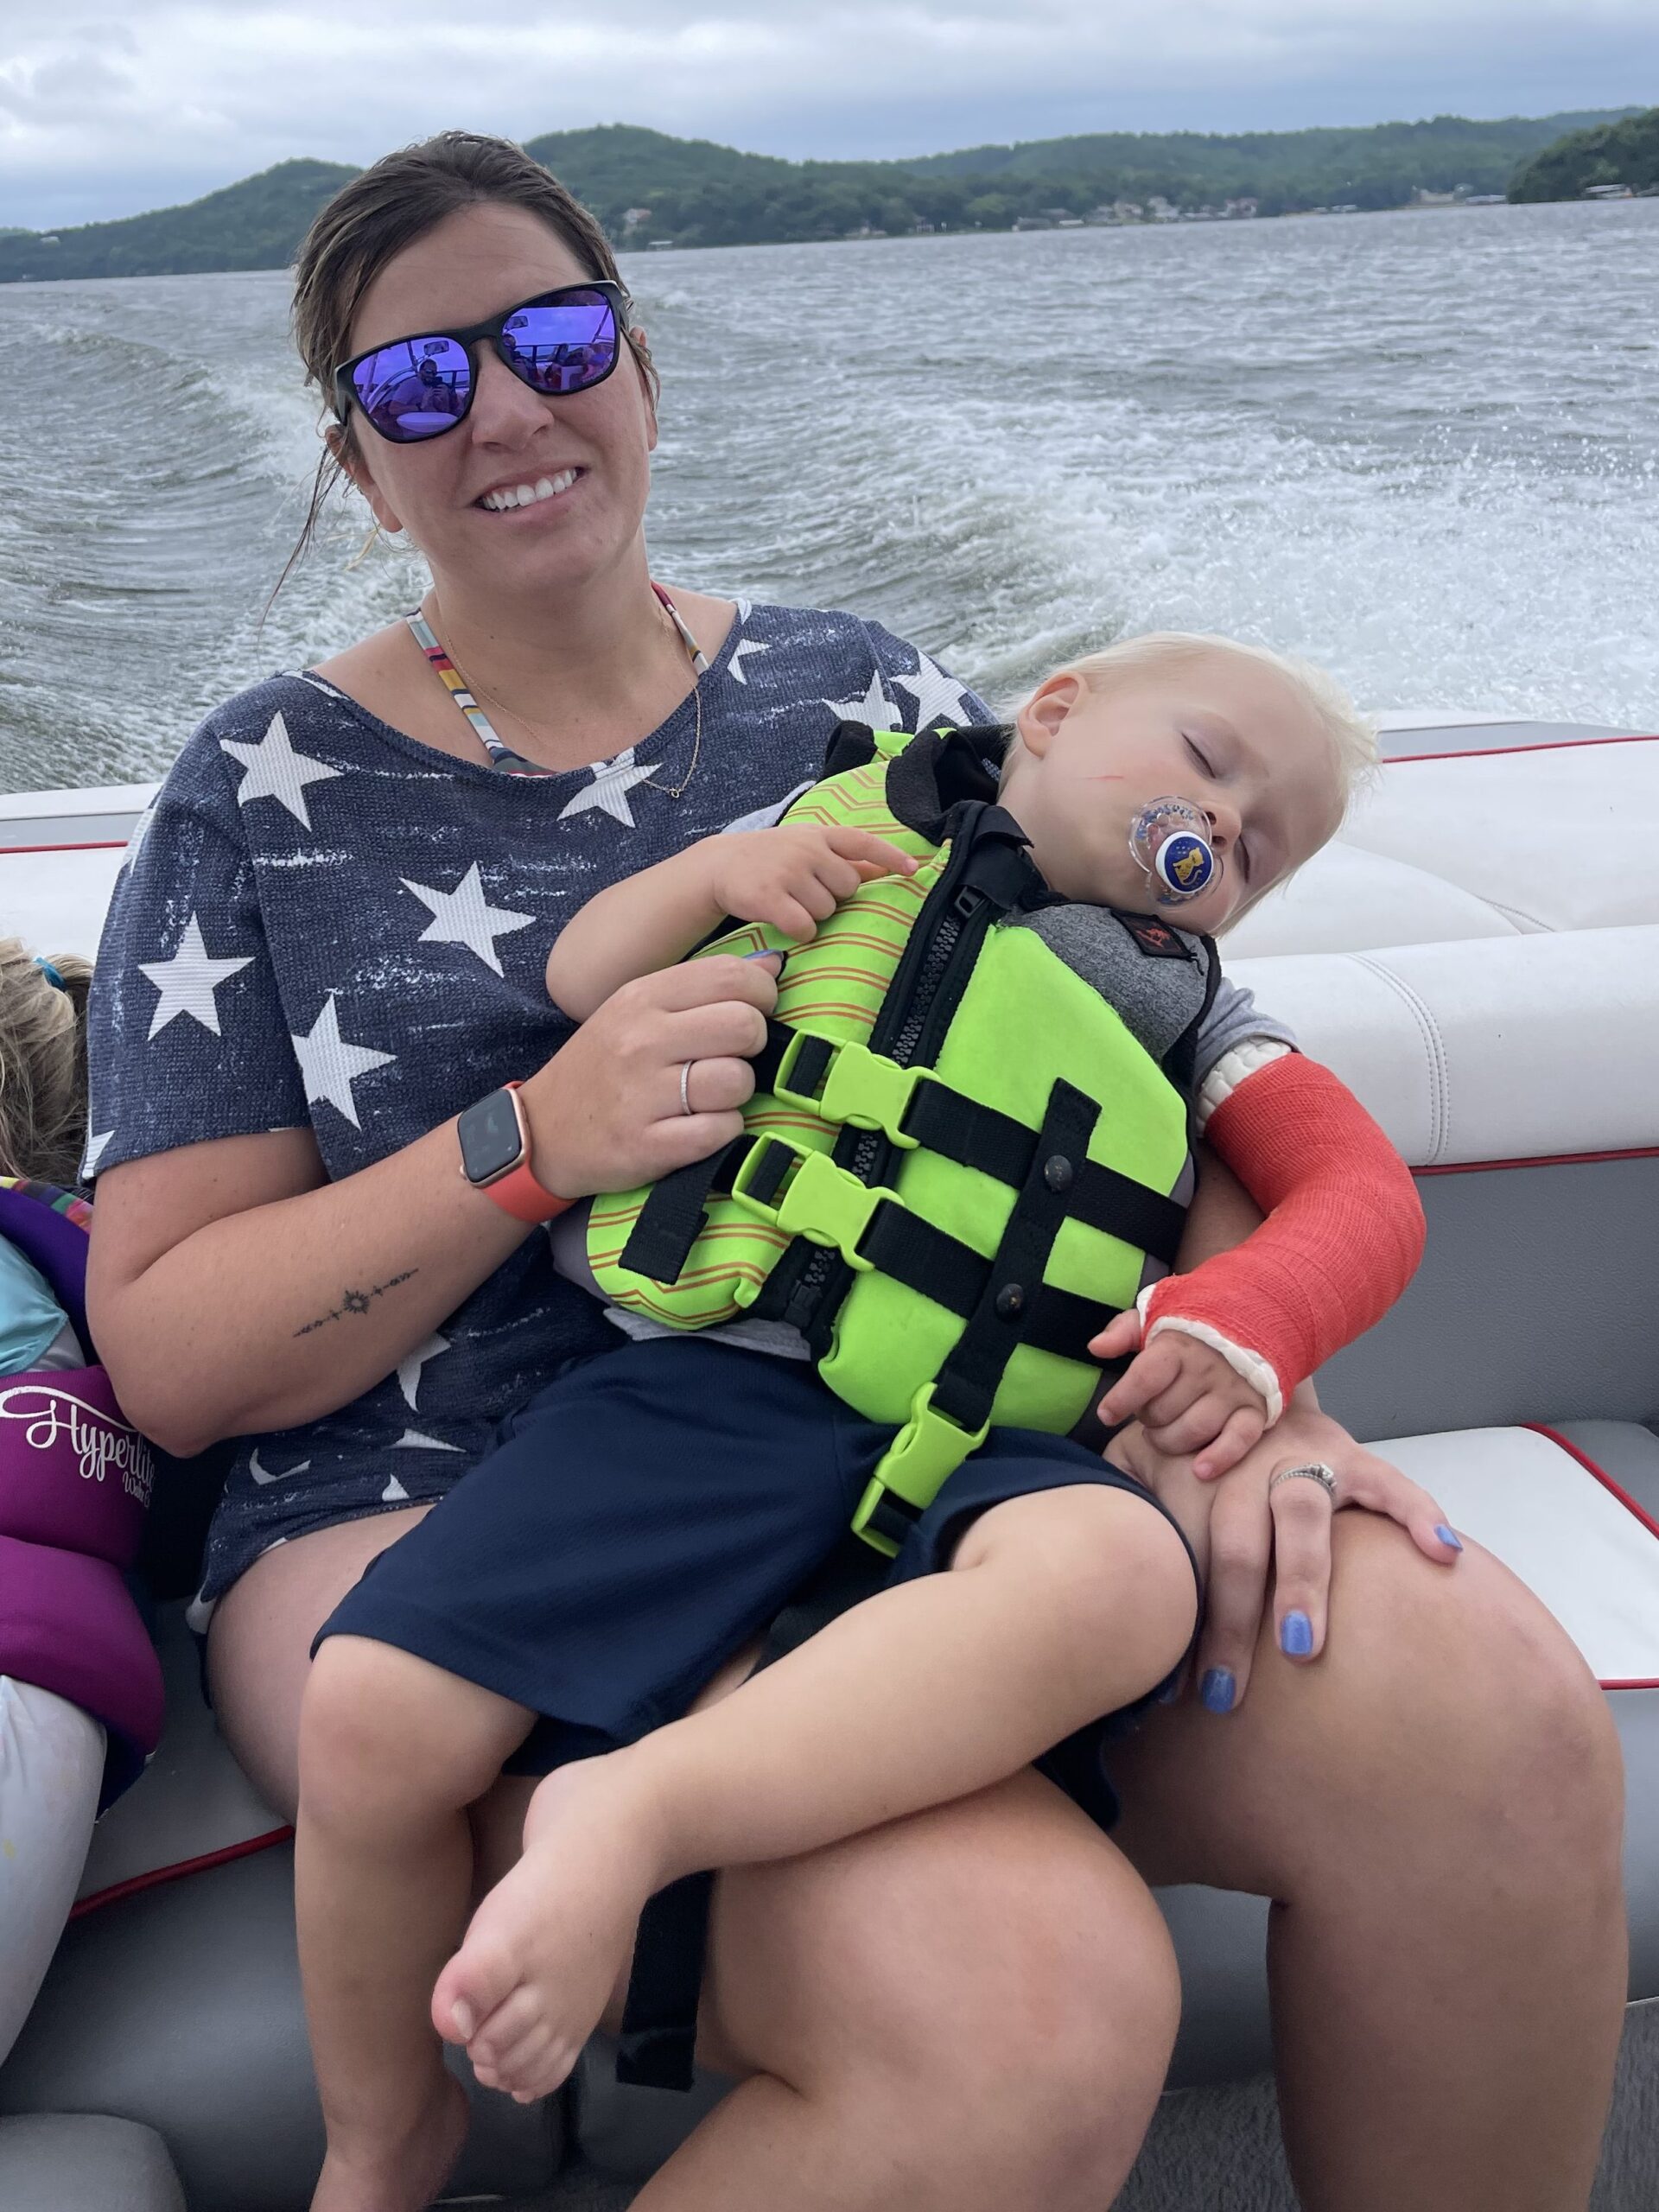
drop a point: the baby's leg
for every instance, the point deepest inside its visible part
(392, 1750)
(1060, 1607)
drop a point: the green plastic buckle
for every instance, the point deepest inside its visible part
(863, 1088)
(821, 1201)
(927, 1449)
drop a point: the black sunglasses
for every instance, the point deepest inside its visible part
(419, 387)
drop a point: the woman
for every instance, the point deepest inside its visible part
(331, 943)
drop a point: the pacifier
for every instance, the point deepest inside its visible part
(1170, 839)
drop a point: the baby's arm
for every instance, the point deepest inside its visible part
(794, 877)
(1344, 1235)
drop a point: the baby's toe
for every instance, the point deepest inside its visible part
(480, 1977)
(512, 2018)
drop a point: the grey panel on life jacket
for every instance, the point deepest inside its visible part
(1158, 998)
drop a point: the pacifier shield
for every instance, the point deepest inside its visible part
(1169, 838)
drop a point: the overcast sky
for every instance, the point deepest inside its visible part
(104, 112)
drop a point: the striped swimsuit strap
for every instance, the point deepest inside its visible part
(501, 754)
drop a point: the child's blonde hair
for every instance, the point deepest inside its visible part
(1352, 735)
(42, 1065)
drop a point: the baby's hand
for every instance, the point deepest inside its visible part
(1187, 1396)
(796, 875)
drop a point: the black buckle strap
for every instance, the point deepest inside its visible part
(979, 1136)
(967, 1384)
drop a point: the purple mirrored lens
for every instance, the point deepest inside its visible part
(416, 388)
(564, 346)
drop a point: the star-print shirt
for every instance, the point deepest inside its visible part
(322, 923)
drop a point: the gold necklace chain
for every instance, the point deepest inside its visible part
(672, 616)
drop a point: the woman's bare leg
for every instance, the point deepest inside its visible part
(969, 2010)
(1058, 1607)
(1433, 1805)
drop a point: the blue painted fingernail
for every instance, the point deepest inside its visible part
(1170, 1693)
(1449, 1536)
(766, 952)
(1218, 1689)
(1296, 1636)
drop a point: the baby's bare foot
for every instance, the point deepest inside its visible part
(538, 1963)
(405, 2177)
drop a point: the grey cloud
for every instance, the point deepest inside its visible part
(215, 88)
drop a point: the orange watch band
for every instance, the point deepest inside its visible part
(517, 1192)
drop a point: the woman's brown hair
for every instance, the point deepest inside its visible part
(372, 219)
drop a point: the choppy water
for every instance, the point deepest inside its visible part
(1422, 448)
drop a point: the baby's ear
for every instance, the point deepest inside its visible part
(1039, 720)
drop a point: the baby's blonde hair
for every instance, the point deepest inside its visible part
(43, 1065)
(1352, 735)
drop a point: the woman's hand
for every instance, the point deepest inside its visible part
(1238, 1527)
(796, 875)
(607, 1112)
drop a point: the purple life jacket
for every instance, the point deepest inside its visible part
(75, 1479)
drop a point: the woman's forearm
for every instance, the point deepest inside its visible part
(270, 1317)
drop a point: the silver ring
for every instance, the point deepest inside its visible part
(685, 1085)
(1314, 1472)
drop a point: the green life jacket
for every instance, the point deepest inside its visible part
(968, 1141)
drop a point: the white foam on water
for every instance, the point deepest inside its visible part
(1421, 449)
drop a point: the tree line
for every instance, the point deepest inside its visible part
(647, 186)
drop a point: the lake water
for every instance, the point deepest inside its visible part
(1423, 448)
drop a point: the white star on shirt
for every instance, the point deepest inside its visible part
(413, 1440)
(189, 981)
(735, 659)
(409, 1369)
(330, 1066)
(612, 781)
(876, 710)
(137, 834)
(94, 1154)
(276, 770)
(464, 916)
(937, 696)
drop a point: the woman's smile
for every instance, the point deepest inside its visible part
(517, 491)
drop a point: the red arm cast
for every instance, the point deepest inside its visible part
(1343, 1238)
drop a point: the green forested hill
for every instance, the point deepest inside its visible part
(1610, 153)
(699, 194)
(254, 225)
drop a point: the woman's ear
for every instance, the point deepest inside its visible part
(345, 451)
(1039, 720)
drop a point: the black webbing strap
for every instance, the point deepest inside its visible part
(669, 1222)
(978, 1136)
(967, 1384)
(659, 2019)
(954, 1275)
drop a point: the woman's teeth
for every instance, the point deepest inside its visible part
(526, 495)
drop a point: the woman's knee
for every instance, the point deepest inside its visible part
(1465, 1702)
(386, 1739)
(990, 1979)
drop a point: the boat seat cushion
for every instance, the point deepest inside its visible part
(85, 2162)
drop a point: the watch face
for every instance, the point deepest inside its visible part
(490, 1139)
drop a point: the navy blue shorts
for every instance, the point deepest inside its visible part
(647, 1516)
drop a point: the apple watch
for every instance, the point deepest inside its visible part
(495, 1157)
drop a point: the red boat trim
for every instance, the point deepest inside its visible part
(102, 845)
(1497, 752)
(1616, 1489)
(1543, 1160)
(176, 1872)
